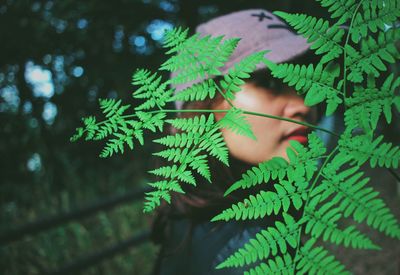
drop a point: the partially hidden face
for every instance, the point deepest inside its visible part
(272, 135)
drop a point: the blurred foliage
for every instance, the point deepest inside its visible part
(57, 58)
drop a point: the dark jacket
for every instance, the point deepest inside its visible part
(198, 250)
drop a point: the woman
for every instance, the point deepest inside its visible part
(191, 244)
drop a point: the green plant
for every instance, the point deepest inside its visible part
(326, 194)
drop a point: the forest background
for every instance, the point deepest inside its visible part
(56, 59)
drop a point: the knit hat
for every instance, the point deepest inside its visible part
(258, 30)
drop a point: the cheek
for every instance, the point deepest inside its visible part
(267, 131)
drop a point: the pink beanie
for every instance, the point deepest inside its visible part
(259, 30)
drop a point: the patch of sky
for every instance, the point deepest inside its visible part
(40, 79)
(34, 163)
(60, 76)
(112, 94)
(49, 112)
(167, 6)
(157, 28)
(140, 44)
(46, 59)
(59, 24)
(27, 107)
(35, 7)
(77, 71)
(48, 5)
(10, 97)
(138, 41)
(118, 37)
(82, 23)
(92, 94)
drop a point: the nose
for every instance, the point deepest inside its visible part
(295, 108)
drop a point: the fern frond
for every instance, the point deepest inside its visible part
(199, 91)
(179, 140)
(237, 123)
(198, 57)
(199, 163)
(375, 16)
(151, 121)
(198, 124)
(305, 164)
(279, 266)
(116, 145)
(151, 88)
(317, 82)
(373, 53)
(90, 127)
(323, 222)
(153, 199)
(363, 147)
(273, 168)
(265, 203)
(324, 39)
(353, 198)
(176, 155)
(241, 70)
(173, 172)
(174, 39)
(366, 105)
(111, 107)
(202, 134)
(317, 260)
(167, 185)
(271, 241)
(196, 162)
(214, 143)
(341, 9)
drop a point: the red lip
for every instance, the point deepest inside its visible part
(299, 134)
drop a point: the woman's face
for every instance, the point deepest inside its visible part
(272, 135)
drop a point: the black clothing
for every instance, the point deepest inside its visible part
(210, 244)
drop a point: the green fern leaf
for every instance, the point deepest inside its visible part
(341, 9)
(363, 147)
(179, 140)
(267, 242)
(353, 198)
(174, 39)
(198, 58)
(367, 104)
(317, 260)
(236, 121)
(279, 265)
(241, 70)
(324, 39)
(198, 124)
(373, 53)
(265, 203)
(317, 82)
(151, 89)
(375, 16)
(199, 91)
(323, 222)
(277, 168)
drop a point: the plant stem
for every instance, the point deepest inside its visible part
(308, 197)
(345, 54)
(227, 110)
